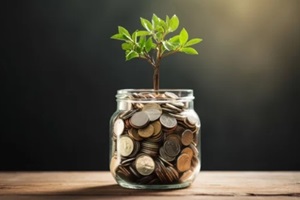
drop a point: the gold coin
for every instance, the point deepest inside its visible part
(126, 146)
(186, 176)
(146, 132)
(134, 134)
(157, 127)
(183, 162)
(187, 137)
(144, 164)
(188, 151)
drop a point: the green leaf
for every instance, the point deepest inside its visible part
(189, 50)
(124, 32)
(183, 37)
(131, 54)
(149, 45)
(119, 36)
(127, 46)
(174, 39)
(155, 21)
(146, 24)
(167, 45)
(193, 42)
(173, 23)
(142, 33)
(167, 23)
(134, 36)
(163, 25)
(142, 41)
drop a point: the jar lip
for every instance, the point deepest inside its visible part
(180, 95)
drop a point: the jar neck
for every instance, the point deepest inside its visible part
(129, 98)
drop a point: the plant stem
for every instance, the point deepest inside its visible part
(156, 78)
(156, 72)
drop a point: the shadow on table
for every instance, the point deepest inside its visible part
(112, 190)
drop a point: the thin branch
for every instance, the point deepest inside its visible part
(148, 59)
(170, 53)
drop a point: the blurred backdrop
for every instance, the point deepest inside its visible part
(60, 71)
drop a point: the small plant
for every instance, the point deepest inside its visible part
(152, 43)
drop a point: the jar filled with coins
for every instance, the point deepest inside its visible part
(155, 139)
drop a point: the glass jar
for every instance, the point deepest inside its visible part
(155, 139)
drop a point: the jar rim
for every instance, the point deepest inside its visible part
(180, 95)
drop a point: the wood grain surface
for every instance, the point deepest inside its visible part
(101, 185)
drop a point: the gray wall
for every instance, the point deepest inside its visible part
(60, 72)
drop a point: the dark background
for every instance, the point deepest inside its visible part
(60, 72)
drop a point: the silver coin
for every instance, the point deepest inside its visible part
(139, 119)
(144, 164)
(171, 95)
(153, 111)
(168, 121)
(119, 127)
(171, 147)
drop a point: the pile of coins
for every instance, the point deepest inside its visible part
(155, 143)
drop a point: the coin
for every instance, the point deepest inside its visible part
(159, 171)
(168, 110)
(146, 132)
(172, 107)
(149, 148)
(186, 176)
(179, 129)
(127, 161)
(165, 161)
(183, 162)
(157, 127)
(178, 116)
(173, 137)
(166, 157)
(172, 147)
(139, 119)
(153, 111)
(114, 162)
(119, 127)
(136, 149)
(134, 172)
(187, 137)
(192, 120)
(188, 151)
(144, 164)
(195, 162)
(123, 172)
(168, 121)
(195, 150)
(134, 134)
(174, 172)
(127, 114)
(178, 104)
(126, 146)
(171, 95)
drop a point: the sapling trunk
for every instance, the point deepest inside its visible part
(156, 78)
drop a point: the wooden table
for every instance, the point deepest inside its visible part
(101, 185)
